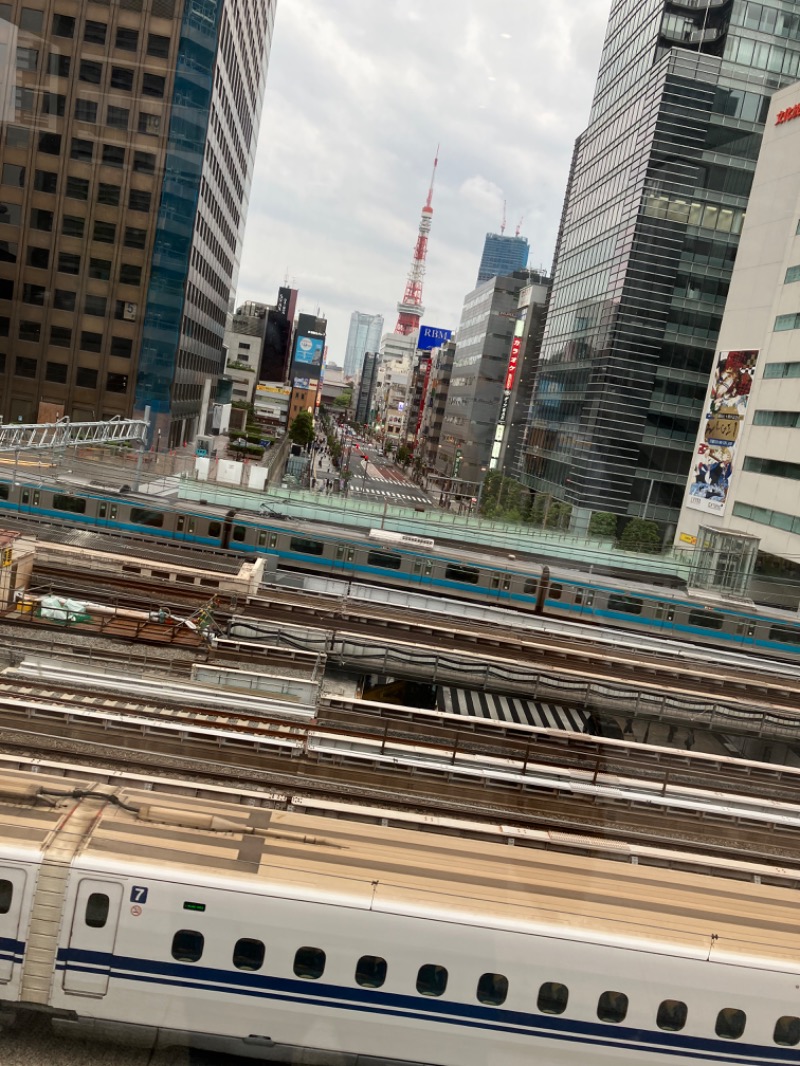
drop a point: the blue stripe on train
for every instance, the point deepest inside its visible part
(385, 1004)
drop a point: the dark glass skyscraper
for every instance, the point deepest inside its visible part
(653, 213)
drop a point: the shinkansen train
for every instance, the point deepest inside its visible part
(162, 920)
(381, 557)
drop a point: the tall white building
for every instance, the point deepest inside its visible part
(364, 336)
(745, 476)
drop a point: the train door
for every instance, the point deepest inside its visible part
(12, 892)
(184, 527)
(92, 937)
(106, 513)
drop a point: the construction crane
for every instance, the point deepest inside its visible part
(16, 437)
(519, 226)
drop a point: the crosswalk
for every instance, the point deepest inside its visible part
(511, 709)
(388, 493)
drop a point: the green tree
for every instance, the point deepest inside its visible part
(301, 430)
(343, 399)
(641, 535)
(403, 454)
(603, 524)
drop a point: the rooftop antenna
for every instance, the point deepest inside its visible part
(410, 309)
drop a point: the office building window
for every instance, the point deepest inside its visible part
(24, 99)
(11, 214)
(39, 258)
(69, 263)
(144, 163)
(64, 300)
(86, 110)
(27, 58)
(157, 46)
(78, 188)
(56, 372)
(63, 26)
(31, 19)
(90, 72)
(61, 336)
(117, 118)
(139, 200)
(94, 32)
(53, 104)
(81, 150)
(95, 305)
(91, 342)
(122, 347)
(113, 155)
(50, 143)
(117, 383)
(33, 294)
(149, 123)
(72, 226)
(130, 275)
(13, 174)
(122, 78)
(40, 219)
(153, 85)
(86, 378)
(127, 40)
(135, 238)
(100, 269)
(58, 65)
(792, 274)
(30, 331)
(25, 368)
(104, 232)
(18, 136)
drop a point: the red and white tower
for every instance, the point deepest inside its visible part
(410, 309)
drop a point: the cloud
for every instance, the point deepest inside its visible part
(358, 95)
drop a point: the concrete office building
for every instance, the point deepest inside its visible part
(125, 175)
(745, 475)
(363, 336)
(435, 402)
(478, 378)
(652, 221)
(502, 255)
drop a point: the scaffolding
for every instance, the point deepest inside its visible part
(39, 437)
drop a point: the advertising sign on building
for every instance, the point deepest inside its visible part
(432, 337)
(308, 350)
(722, 425)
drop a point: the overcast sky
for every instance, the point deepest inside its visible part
(359, 93)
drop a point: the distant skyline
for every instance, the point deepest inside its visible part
(358, 96)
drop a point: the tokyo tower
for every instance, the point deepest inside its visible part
(410, 309)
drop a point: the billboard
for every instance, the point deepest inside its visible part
(308, 351)
(302, 383)
(432, 337)
(722, 423)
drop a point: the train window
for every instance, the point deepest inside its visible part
(3, 492)
(96, 910)
(625, 604)
(785, 634)
(492, 989)
(306, 546)
(309, 963)
(672, 1015)
(578, 597)
(180, 523)
(371, 971)
(248, 954)
(552, 998)
(705, 621)
(214, 529)
(423, 566)
(144, 517)
(262, 538)
(6, 895)
(499, 580)
(531, 586)
(238, 533)
(431, 980)
(384, 560)
(461, 573)
(73, 503)
(730, 1023)
(343, 552)
(26, 498)
(187, 945)
(555, 592)
(787, 1031)
(191, 525)
(612, 1007)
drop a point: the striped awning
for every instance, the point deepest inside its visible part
(511, 709)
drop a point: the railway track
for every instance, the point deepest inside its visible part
(446, 770)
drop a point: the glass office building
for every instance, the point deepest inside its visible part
(653, 213)
(363, 336)
(502, 255)
(127, 145)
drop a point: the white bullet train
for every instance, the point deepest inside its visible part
(170, 920)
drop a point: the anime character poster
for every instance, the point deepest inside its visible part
(723, 421)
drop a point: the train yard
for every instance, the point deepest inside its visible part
(244, 699)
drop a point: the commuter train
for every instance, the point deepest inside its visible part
(162, 919)
(381, 557)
